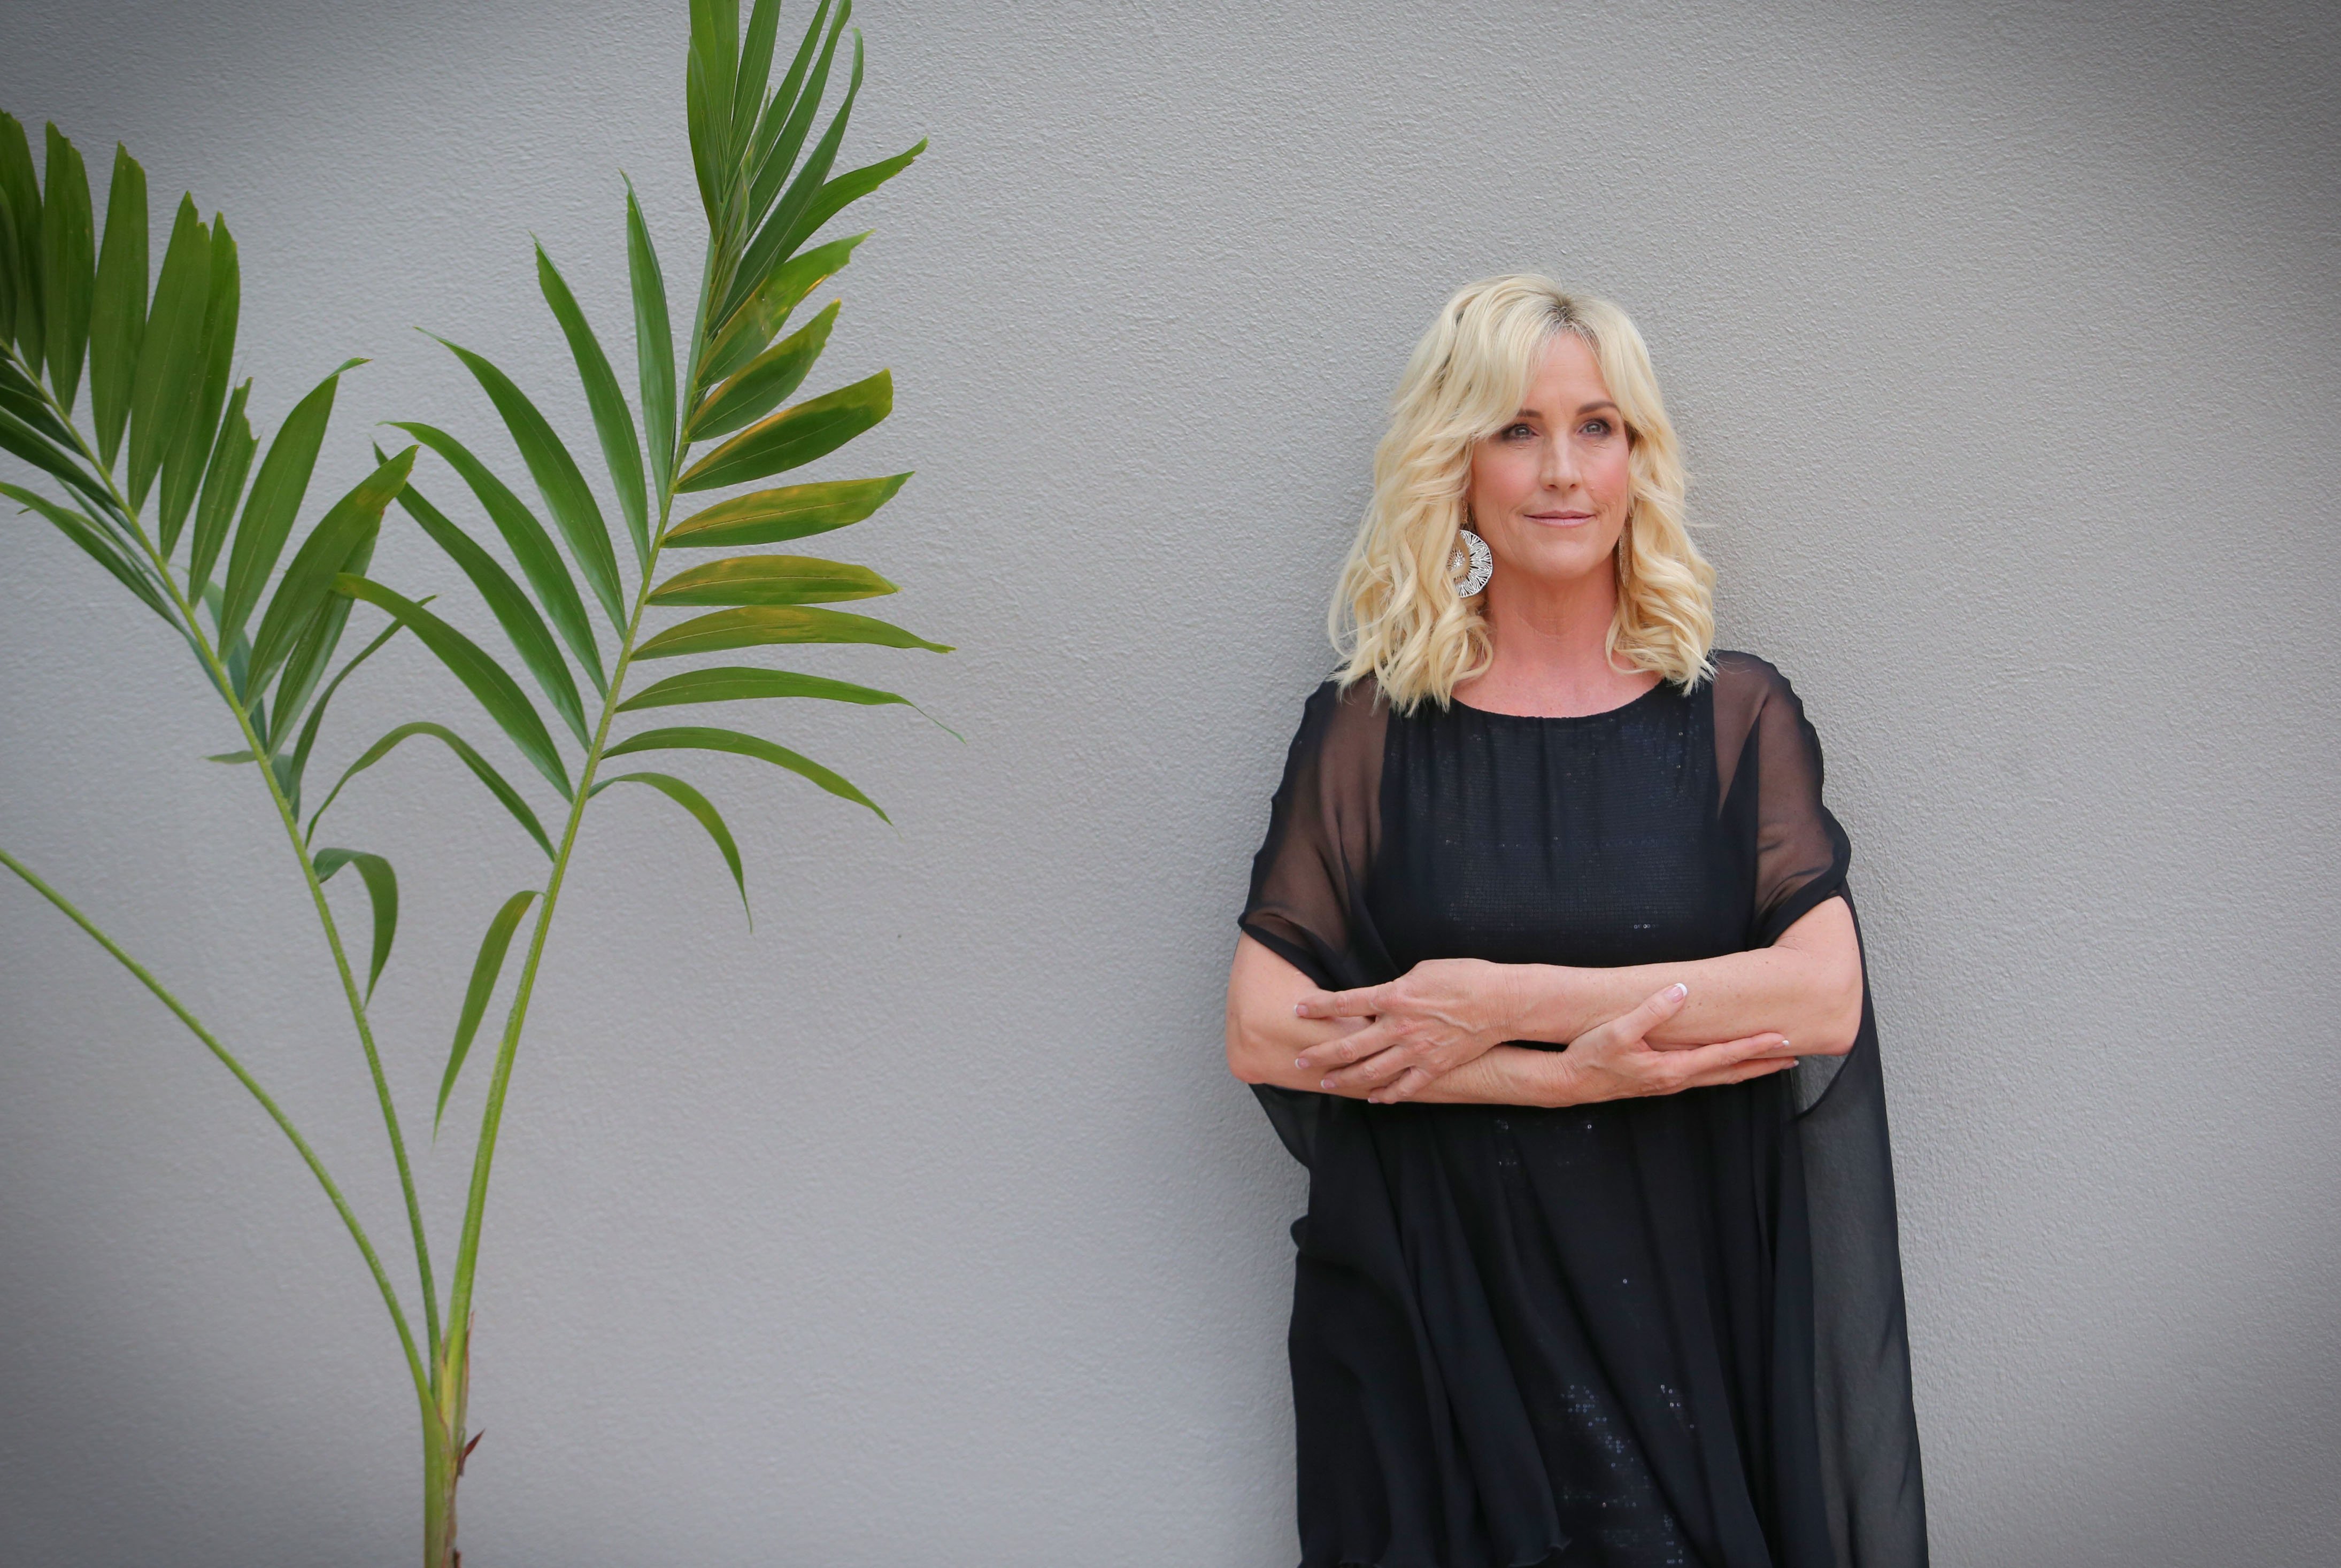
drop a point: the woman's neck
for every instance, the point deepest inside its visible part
(1550, 645)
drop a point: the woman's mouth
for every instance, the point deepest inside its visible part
(1561, 518)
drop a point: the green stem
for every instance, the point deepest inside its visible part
(251, 1086)
(467, 1248)
(291, 821)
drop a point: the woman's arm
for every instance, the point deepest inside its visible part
(1447, 1012)
(1269, 1040)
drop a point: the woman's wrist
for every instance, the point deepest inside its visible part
(1556, 1080)
(1509, 1076)
(1551, 1003)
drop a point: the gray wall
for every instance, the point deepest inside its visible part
(922, 1224)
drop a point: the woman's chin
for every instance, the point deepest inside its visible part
(1552, 568)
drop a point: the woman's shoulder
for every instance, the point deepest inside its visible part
(1752, 696)
(1342, 719)
(1738, 671)
(1350, 702)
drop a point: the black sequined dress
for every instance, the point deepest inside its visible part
(1663, 1330)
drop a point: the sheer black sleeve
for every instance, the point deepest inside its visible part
(1308, 882)
(1308, 895)
(1768, 764)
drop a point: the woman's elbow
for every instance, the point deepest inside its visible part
(1245, 1057)
(1835, 991)
(1842, 1024)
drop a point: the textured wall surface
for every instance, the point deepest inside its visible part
(922, 1224)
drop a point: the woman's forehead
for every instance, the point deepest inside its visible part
(1566, 376)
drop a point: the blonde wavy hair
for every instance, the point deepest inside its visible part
(1395, 615)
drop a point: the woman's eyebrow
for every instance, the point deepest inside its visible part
(1600, 403)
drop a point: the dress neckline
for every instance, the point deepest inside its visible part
(1626, 707)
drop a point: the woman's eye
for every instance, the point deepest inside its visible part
(1514, 433)
(1596, 426)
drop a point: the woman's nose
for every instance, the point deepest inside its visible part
(1558, 469)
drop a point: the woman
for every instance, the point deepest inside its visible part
(1550, 975)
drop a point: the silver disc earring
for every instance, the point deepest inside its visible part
(1469, 563)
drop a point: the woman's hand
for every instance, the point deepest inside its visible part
(1438, 1016)
(1616, 1060)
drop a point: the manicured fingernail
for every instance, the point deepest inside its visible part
(1784, 1042)
(1326, 1085)
(1678, 991)
(1301, 1063)
(1300, 1009)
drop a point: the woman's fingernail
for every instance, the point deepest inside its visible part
(1300, 1009)
(1678, 991)
(1784, 1042)
(1301, 1063)
(1327, 1084)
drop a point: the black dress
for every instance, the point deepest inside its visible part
(1663, 1330)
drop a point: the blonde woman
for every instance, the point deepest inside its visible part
(1550, 975)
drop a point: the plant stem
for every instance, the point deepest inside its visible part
(251, 1086)
(285, 814)
(467, 1248)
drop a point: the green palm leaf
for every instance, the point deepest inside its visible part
(68, 264)
(771, 580)
(485, 967)
(170, 354)
(29, 443)
(117, 316)
(758, 626)
(714, 71)
(744, 683)
(772, 244)
(9, 287)
(791, 511)
(768, 307)
(224, 478)
(308, 740)
(704, 813)
(481, 770)
(531, 546)
(311, 653)
(234, 646)
(794, 436)
(511, 607)
(183, 465)
(788, 113)
(20, 191)
(528, 542)
(767, 380)
(482, 676)
(696, 738)
(351, 522)
(653, 342)
(276, 492)
(101, 547)
(23, 397)
(835, 195)
(755, 67)
(613, 422)
(382, 891)
(558, 480)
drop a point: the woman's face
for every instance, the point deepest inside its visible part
(1549, 492)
